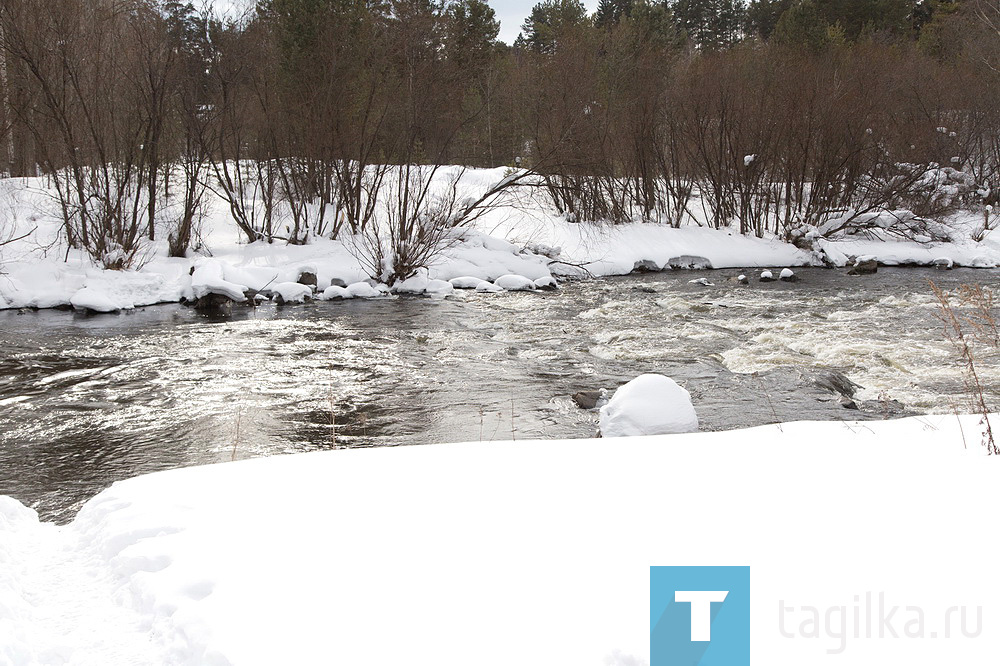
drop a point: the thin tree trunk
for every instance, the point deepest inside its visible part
(4, 82)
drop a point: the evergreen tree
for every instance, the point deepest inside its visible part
(939, 26)
(859, 17)
(802, 25)
(763, 15)
(548, 19)
(471, 31)
(656, 24)
(710, 24)
(610, 12)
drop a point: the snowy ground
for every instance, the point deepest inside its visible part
(512, 239)
(515, 553)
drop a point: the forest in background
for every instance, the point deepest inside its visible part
(328, 117)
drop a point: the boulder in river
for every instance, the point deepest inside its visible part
(788, 275)
(590, 399)
(648, 405)
(689, 262)
(254, 297)
(847, 403)
(546, 283)
(645, 266)
(515, 283)
(836, 382)
(291, 292)
(213, 302)
(864, 266)
(766, 276)
(466, 282)
(307, 278)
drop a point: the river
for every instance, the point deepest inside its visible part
(87, 400)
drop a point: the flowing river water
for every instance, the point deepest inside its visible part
(87, 400)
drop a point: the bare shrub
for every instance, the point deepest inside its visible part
(99, 72)
(969, 318)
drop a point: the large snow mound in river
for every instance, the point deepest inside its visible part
(648, 405)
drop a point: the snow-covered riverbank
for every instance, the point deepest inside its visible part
(516, 552)
(524, 238)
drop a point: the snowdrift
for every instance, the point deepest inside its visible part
(509, 553)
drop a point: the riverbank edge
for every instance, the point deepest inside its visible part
(35, 283)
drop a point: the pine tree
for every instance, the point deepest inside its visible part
(656, 24)
(802, 25)
(763, 15)
(470, 33)
(548, 19)
(611, 12)
(710, 24)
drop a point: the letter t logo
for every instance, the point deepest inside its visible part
(701, 611)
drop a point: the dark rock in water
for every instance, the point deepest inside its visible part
(214, 303)
(866, 267)
(788, 276)
(689, 262)
(587, 399)
(645, 289)
(337, 282)
(307, 278)
(645, 266)
(836, 382)
(847, 403)
(254, 297)
(546, 284)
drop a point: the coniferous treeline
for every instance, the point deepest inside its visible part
(773, 116)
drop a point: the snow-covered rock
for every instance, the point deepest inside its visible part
(787, 275)
(208, 279)
(466, 282)
(515, 283)
(364, 290)
(334, 292)
(439, 288)
(291, 292)
(648, 405)
(689, 262)
(96, 300)
(413, 285)
(485, 287)
(547, 283)
(766, 276)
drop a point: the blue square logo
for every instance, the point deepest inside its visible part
(699, 616)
